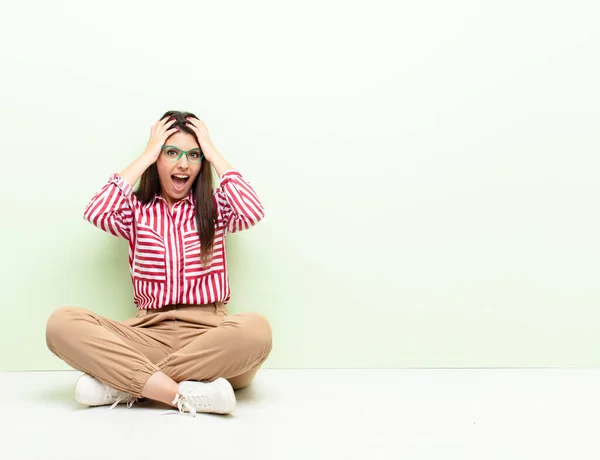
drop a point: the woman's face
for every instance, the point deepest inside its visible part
(177, 176)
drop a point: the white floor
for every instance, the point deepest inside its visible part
(315, 414)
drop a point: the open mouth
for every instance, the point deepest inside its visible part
(179, 181)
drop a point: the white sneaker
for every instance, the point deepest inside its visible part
(216, 397)
(92, 392)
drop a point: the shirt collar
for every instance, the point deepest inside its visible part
(189, 198)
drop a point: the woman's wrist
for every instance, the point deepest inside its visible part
(134, 171)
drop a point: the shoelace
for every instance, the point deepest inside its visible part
(111, 393)
(130, 403)
(189, 402)
(183, 403)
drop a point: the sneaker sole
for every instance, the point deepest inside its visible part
(77, 397)
(228, 395)
(86, 402)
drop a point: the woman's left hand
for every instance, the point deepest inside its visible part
(203, 137)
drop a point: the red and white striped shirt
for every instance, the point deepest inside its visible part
(164, 246)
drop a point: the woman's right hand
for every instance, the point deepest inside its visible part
(159, 133)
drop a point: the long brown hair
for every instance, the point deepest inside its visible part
(206, 212)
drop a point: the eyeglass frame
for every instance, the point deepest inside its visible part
(182, 152)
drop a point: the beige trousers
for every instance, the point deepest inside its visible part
(200, 342)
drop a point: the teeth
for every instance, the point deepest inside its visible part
(181, 177)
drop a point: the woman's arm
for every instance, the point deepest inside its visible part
(220, 164)
(238, 204)
(132, 173)
(111, 208)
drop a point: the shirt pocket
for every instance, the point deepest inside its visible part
(193, 269)
(150, 256)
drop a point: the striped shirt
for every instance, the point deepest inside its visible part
(164, 246)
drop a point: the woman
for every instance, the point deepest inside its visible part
(182, 348)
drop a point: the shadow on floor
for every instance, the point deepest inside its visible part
(249, 394)
(62, 394)
(59, 395)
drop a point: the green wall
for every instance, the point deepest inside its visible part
(430, 175)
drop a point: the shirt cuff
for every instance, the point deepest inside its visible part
(230, 174)
(121, 184)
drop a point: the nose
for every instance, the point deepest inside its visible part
(183, 162)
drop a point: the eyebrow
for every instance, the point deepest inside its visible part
(174, 146)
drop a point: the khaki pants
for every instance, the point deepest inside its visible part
(185, 342)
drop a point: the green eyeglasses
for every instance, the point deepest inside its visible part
(175, 153)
